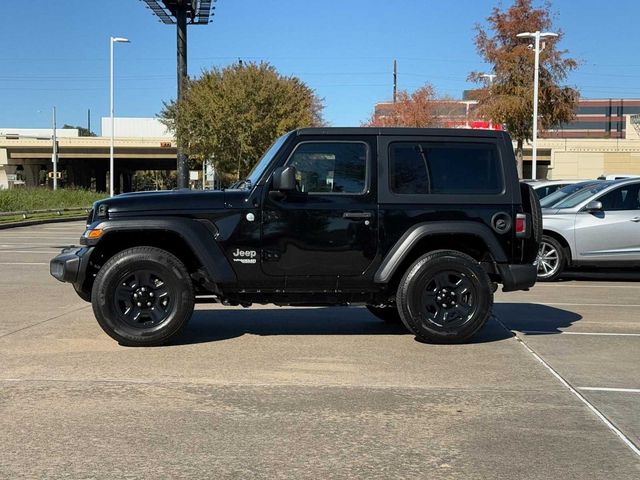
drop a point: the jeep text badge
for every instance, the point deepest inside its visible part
(244, 256)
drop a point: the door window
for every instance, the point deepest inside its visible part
(328, 167)
(626, 197)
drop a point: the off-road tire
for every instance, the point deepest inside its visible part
(439, 278)
(548, 247)
(531, 205)
(388, 314)
(156, 277)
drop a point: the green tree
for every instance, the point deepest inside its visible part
(509, 98)
(83, 132)
(233, 114)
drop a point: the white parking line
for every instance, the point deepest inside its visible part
(31, 244)
(26, 251)
(27, 238)
(604, 389)
(603, 334)
(24, 263)
(580, 397)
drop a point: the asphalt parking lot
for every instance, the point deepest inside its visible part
(549, 389)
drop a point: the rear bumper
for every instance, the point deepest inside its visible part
(71, 265)
(517, 277)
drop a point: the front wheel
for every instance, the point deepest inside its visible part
(143, 296)
(445, 297)
(551, 259)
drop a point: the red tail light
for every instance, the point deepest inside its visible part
(521, 225)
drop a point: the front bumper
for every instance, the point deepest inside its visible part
(71, 265)
(517, 277)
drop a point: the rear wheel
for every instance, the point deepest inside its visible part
(551, 259)
(388, 314)
(445, 297)
(143, 296)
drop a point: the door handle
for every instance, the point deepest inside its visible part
(635, 219)
(357, 215)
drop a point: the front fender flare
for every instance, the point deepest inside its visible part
(200, 238)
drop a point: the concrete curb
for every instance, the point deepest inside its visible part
(28, 223)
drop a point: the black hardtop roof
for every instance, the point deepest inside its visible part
(402, 131)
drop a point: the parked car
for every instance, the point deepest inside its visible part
(419, 225)
(617, 176)
(543, 188)
(596, 226)
(559, 195)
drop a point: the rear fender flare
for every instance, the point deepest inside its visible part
(410, 239)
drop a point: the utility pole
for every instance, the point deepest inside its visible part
(395, 81)
(181, 25)
(54, 156)
(89, 120)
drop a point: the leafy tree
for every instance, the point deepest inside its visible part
(418, 109)
(233, 114)
(509, 99)
(83, 132)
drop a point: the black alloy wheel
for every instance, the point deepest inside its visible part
(445, 297)
(143, 296)
(143, 299)
(449, 299)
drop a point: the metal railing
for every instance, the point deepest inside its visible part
(31, 213)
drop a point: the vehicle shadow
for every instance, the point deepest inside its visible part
(533, 318)
(606, 275)
(223, 324)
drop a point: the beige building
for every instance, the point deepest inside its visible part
(583, 158)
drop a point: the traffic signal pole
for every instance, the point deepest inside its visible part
(181, 23)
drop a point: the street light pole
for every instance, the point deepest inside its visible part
(537, 35)
(54, 156)
(111, 163)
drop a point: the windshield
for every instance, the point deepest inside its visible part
(263, 163)
(564, 192)
(582, 195)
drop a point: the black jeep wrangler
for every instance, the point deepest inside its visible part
(419, 225)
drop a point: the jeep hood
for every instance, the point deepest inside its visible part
(170, 202)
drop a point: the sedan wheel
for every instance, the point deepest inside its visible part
(550, 260)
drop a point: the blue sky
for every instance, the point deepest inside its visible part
(57, 52)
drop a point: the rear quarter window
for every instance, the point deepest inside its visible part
(444, 168)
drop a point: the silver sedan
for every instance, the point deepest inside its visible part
(598, 225)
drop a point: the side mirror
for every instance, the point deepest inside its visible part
(284, 179)
(593, 206)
